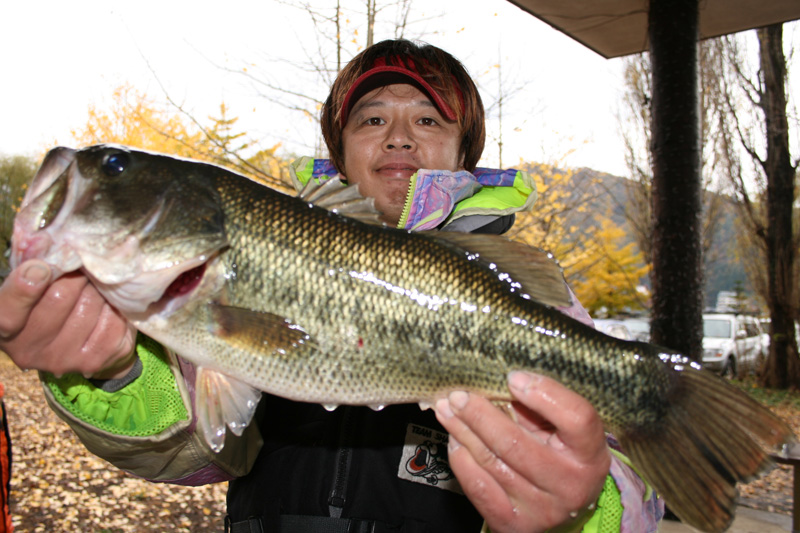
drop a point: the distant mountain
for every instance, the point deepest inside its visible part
(722, 269)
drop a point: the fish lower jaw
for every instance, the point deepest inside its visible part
(61, 259)
(157, 311)
(29, 246)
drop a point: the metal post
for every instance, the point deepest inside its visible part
(677, 205)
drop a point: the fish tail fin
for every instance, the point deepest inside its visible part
(710, 438)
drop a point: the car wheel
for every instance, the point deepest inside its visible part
(729, 370)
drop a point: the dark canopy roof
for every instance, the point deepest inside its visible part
(615, 28)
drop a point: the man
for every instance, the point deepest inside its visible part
(406, 124)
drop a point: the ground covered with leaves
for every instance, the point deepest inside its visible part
(773, 492)
(58, 486)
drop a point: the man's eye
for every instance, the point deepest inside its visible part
(374, 121)
(427, 121)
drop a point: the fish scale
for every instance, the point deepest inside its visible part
(375, 311)
(266, 292)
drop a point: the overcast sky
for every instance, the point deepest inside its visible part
(60, 57)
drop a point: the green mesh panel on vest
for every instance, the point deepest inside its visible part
(608, 516)
(145, 407)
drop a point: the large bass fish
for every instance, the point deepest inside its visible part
(267, 292)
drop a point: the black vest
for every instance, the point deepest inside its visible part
(385, 466)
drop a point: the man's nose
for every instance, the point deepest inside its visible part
(399, 137)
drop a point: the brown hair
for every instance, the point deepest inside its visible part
(440, 70)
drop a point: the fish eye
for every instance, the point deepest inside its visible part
(115, 164)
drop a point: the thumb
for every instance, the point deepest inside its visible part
(19, 294)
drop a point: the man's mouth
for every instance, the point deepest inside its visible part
(397, 171)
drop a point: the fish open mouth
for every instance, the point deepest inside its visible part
(185, 283)
(180, 290)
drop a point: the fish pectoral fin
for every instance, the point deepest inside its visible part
(536, 270)
(221, 402)
(256, 331)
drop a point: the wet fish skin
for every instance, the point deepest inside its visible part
(304, 303)
(408, 341)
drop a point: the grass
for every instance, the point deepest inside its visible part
(769, 397)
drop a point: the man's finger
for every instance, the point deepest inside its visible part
(574, 419)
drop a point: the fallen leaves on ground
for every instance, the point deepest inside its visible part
(57, 485)
(773, 492)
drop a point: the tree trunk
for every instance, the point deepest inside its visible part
(338, 20)
(677, 206)
(371, 11)
(783, 367)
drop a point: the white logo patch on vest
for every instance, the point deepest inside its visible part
(424, 459)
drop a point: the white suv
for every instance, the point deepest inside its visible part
(731, 343)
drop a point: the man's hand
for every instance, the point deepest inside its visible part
(62, 326)
(542, 471)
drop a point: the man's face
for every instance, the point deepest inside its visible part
(392, 132)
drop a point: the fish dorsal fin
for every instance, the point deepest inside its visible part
(222, 402)
(538, 273)
(338, 197)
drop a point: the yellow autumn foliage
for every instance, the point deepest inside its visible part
(136, 120)
(603, 271)
(556, 220)
(611, 273)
